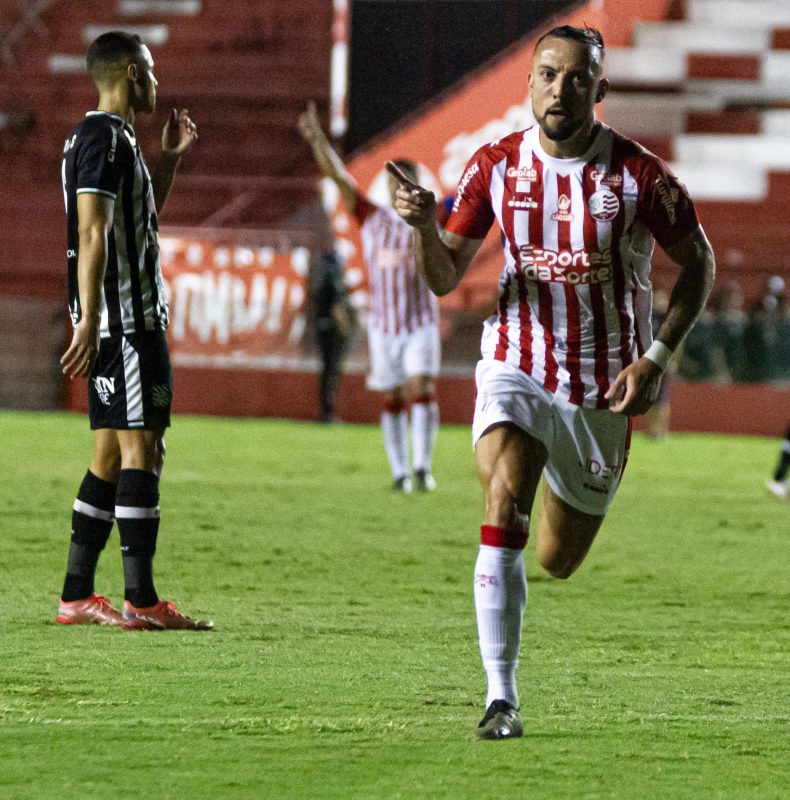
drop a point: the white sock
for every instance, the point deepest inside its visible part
(395, 427)
(500, 598)
(424, 427)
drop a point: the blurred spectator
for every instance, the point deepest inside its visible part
(762, 337)
(729, 344)
(334, 323)
(729, 322)
(657, 416)
(698, 361)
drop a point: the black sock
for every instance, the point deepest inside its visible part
(137, 513)
(91, 523)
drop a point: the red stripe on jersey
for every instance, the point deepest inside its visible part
(524, 312)
(500, 354)
(545, 302)
(572, 310)
(618, 275)
(600, 332)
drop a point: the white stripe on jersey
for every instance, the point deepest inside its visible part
(400, 301)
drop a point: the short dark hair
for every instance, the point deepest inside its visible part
(590, 36)
(110, 51)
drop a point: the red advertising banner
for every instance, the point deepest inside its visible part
(235, 305)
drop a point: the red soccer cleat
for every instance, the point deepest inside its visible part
(164, 616)
(93, 610)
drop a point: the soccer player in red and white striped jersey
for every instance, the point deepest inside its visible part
(567, 359)
(403, 319)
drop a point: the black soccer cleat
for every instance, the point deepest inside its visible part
(423, 481)
(402, 485)
(501, 721)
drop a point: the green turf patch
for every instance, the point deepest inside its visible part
(344, 662)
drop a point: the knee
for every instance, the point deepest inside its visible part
(500, 503)
(559, 569)
(558, 564)
(422, 386)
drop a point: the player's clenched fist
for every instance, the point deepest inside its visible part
(416, 205)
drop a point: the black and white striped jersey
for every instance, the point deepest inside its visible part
(101, 155)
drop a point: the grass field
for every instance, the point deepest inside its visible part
(344, 662)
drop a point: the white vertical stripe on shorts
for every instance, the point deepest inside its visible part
(91, 511)
(134, 386)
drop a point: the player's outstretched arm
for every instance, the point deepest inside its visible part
(329, 162)
(636, 387)
(178, 136)
(442, 259)
(95, 215)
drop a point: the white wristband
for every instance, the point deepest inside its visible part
(659, 354)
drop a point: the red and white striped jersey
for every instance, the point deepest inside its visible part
(575, 292)
(400, 300)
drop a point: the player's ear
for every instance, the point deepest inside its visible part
(603, 90)
(132, 72)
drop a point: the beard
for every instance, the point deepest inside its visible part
(559, 131)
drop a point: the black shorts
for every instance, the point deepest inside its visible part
(131, 385)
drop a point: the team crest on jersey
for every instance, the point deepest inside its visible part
(105, 388)
(603, 205)
(523, 174)
(563, 210)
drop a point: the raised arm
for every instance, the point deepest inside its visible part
(95, 215)
(178, 136)
(636, 387)
(329, 162)
(441, 258)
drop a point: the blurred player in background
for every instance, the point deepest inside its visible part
(567, 358)
(778, 483)
(403, 326)
(119, 312)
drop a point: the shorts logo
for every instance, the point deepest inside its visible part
(603, 205)
(105, 388)
(563, 214)
(161, 395)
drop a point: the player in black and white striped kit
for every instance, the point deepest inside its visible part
(119, 311)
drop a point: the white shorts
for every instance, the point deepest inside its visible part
(587, 447)
(395, 358)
